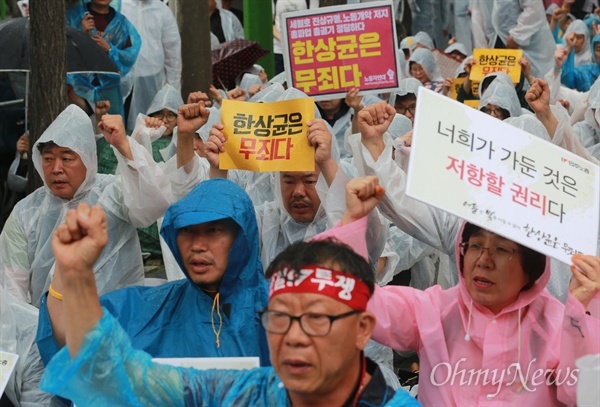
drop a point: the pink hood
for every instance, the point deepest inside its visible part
(469, 356)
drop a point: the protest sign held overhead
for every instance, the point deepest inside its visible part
(267, 136)
(496, 60)
(503, 179)
(328, 51)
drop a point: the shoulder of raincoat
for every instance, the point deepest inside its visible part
(135, 380)
(454, 336)
(19, 322)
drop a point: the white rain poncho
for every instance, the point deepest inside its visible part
(425, 58)
(399, 127)
(584, 56)
(407, 85)
(500, 94)
(524, 20)
(232, 27)
(168, 97)
(18, 324)
(159, 60)
(14, 181)
(588, 131)
(421, 38)
(431, 16)
(135, 198)
(457, 46)
(462, 24)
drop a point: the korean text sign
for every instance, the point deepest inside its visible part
(496, 60)
(267, 136)
(328, 51)
(503, 179)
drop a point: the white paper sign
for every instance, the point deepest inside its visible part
(503, 179)
(240, 363)
(8, 361)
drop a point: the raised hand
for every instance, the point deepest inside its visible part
(362, 196)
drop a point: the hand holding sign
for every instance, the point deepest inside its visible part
(362, 196)
(320, 138)
(214, 145)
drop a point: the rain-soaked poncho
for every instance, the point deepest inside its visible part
(159, 60)
(119, 34)
(423, 39)
(18, 322)
(501, 94)
(136, 381)
(584, 56)
(438, 228)
(431, 16)
(588, 130)
(525, 21)
(407, 85)
(425, 58)
(582, 77)
(177, 319)
(135, 198)
(454, 334)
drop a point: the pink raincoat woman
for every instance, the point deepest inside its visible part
(474, 349)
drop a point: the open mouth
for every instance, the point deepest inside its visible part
(482, 282)
(296, 366)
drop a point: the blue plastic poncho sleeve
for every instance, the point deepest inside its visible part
(47, 345)
(123, 57)
(135, 380)
(581, 78)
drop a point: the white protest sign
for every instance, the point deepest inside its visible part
(240, 363)
(503, 179)
(8, 361)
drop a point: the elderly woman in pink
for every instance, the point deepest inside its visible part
(498, 337)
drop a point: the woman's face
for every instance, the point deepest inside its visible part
(597, 52)
(494, 111)
(492, 270)
(416, 70)
(579, 41)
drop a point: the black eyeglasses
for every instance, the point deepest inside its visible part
(311, 323)
(503, 253)
(402, 110)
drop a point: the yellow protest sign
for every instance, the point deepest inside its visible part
(496, 60)
(456, 85)
(265, 137)
(474, 103)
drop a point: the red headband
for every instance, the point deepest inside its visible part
(340, 286)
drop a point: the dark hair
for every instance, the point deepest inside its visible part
(46, 146)
(532, 262)
(324, 252)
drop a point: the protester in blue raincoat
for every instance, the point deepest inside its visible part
(118, 37)
(316, 321)
(581, 77)
(193, 317)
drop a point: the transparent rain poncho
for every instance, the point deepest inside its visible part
(584, 56)
(588, 131)
(500, 94)
(407, 85)
(424, 57)
(18, 324)
(523, 20)
(136, 381)
(135, 198)
(421, 38)
(159, 60)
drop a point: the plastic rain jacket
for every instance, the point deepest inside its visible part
(174, 319)
(584, 56)
(159, 60)
(18, 322)
(453, 334)
(503, 95)
(582, 77)
(588, 130)
(135, 198)
(425, 58)
(525, 21)
(136, 381)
